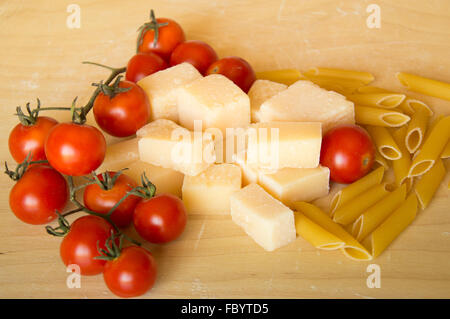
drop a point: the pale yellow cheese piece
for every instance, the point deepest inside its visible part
(276, 145)
(166, 180)
(261, 91)
(161, 88)
(290, 185)
(120, 155)
(166, 144)
(209, 192)
(216, 101)
(270, 223)
(249, 174)
(305, 101)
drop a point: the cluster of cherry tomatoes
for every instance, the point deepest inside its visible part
(49, 154)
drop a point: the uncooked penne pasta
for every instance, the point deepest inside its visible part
(384, 142)
(395, 224)
(368, 89)
(377, 213)
(446, 152)
(383, 100)
(432, 147)
(352, 248)
(380, 160)
(286, 76)
(417, 127)
(364, 77)
(316, 235)
(424, 85)
(429, 182)
(409, 105)
(343, 86)
(401, 165)
(367, 115)
(348, 193)
(348, 213)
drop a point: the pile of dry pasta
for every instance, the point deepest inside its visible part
(366, 216)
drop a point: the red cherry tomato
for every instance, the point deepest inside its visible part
(123, 114)
(38, 194)
(142, 65)
(79, 246)
(236, 69)
(131, 274)
(101, 201)
(348, 152)
(75, 149)
(198, 53)
(169, 36)
(25, 139)
(160, 219)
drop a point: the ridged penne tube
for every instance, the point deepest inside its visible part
(369, 89)
(352, 248)
(286, 76)
(384, 142)
(424, 85)
(348, 193)
(401, 165)
(367, 115)
(432, 147)
(348, 213)
(395, 224)
(446, 152)
(377, 213)
(383, 100)
(417, 128)
(343, 86)
(429, 182)
(380, 160)
(316, 235)
(364, 77)
(410, 105)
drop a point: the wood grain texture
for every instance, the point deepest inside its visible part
(41, 57)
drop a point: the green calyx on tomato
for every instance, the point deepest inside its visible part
(152, 25)
(111, 90)
(112, 250)
(17, 174)
(62, 229)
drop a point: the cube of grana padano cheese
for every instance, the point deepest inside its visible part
(276, 145)
(265, 219)
(166, 180)
(119, 155)
(209, 192)
(290, 185)
(306, 102)
(161, 88)
(216, 101)
(166, 144)
(261, 91)
(249, 174)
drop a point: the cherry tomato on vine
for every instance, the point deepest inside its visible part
(198, 53)
(123, 113)
(162, 42)
(132, 273)
(37, 195)
(160, 219)
(348, 152)
(79, 245)
(102, 200)
(24, 139)
(75, 149)
(236, 69)
(142, 65)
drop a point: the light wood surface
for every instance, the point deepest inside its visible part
(40, 57)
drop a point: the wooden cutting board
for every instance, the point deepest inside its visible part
(40, 57)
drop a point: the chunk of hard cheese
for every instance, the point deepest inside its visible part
(275, 145)
(290, 185)
(216, 101)
(249, 173)
(209, 192)
(261, 91)
(265, 219)
(161, 88)
(120, 155)
(166, 144)
(166, 180)
(306, 102)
